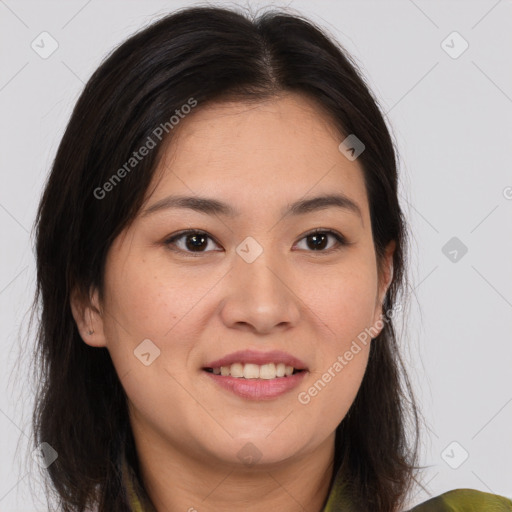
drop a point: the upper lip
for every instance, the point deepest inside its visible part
(259, 358)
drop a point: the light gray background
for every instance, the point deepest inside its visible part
(452, 121)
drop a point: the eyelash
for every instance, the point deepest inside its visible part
(169, 242)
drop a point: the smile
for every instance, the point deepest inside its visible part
(256, 375)
(254, 371)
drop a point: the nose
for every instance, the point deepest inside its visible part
(259, 297)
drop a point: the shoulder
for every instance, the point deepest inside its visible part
(465, 500)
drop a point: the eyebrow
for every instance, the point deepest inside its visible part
(210, 206)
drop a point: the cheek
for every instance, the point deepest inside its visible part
(143, 303)
(148, 301)
(344, 301)
(331, 390)
(345, 305)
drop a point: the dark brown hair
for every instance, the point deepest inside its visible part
(207, 54)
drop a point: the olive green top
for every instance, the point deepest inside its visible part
(458, 500)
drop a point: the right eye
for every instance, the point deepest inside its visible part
(194, 241)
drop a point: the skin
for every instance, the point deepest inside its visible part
(311, 304)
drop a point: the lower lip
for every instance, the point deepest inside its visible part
(258, 389)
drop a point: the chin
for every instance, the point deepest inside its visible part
(254, 452)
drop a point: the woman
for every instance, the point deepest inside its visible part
(220, 253)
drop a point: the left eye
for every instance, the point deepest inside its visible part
(319, 238)
(196, 241)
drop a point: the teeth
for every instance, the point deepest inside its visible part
(250, 371)
(268, 371)
(255, 371)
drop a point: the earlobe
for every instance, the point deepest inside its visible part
(88, 318)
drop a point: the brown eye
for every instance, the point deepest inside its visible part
(194, 242)
(318, 240)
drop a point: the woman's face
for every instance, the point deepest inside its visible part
(252, 281)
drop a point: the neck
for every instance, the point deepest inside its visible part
(175, 481)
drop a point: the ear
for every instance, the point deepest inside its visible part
(88, 317)
(385, 278)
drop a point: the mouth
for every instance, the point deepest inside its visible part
(254, 371)
(257, 375)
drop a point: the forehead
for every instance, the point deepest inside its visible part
(278, 150)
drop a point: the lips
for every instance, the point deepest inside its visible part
(258, 358)
(257, 375)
